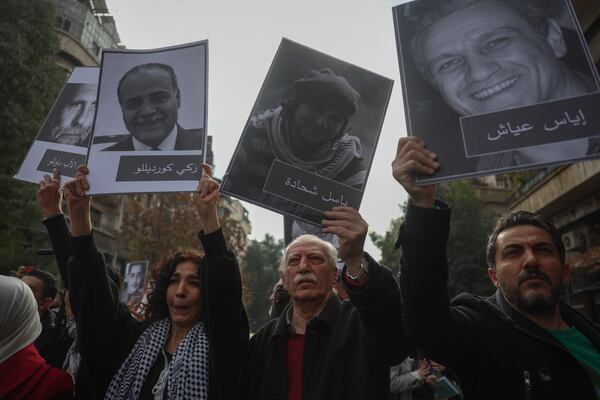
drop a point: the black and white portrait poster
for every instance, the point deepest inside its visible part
(63, 139)
(497, 85)
(134, 281)
(150, 124)
(309, 142)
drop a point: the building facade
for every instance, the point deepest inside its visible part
(570, 196)
(83, 29)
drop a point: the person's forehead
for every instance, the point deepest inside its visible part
(472, 21)
(304, 248)
(186, 268)
(523, 235)
(316, 107)
(85, 94)
(147, 78)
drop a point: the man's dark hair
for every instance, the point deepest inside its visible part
(48, 280)
(148, 66)
(427, 13)
(157, 300)
(519, 218)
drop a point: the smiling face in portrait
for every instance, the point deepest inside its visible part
(316, 124)
(486, 57)
(150, 105)
(74, 123)
(309, 275)
(183, 295)
(528, 269)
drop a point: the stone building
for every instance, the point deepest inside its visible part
(570, 196)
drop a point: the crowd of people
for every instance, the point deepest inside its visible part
(346, 334)
(349, 334)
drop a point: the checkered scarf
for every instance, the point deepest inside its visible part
(188, 371)
(328, 160)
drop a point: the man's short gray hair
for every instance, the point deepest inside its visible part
(427, 13)
(330, 252)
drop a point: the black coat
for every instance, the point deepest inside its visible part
(348, 348)
(107, 331)
(61, 246)
(489, 345)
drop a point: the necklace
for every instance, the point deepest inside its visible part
(159, 389)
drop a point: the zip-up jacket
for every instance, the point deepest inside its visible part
(496, 352)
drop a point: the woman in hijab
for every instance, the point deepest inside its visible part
(194, 338)
(24, 374)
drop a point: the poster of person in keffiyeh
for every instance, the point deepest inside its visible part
(309, 142)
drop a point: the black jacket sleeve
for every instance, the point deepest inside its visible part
(106, 329)
(61, 243)
(225, 315)
(445, 333)
(379, 304)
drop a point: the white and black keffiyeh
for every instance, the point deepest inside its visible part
(188, 370)
(328, 160)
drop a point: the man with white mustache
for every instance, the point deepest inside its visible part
(321, 347)
(150, 98)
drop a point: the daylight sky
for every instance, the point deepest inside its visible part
(243, 38)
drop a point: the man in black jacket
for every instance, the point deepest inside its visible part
(321, 347)
(520, 343)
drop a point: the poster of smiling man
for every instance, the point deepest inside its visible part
(63, 138)
(309, 142)
(150, 125)
(493, 86)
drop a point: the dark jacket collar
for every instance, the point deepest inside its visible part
(327, 316)
(519, 320)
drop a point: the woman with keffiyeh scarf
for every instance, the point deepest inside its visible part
(192, 344)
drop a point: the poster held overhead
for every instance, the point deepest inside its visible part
(63, 138)
(497, 85)
(150, 125)
(309, 142)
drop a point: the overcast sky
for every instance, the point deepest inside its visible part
(243, 38)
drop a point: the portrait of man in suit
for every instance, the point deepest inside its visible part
(134, 279)
(150, 99)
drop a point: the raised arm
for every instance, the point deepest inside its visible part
(225, 313)
(105, 327)
(371, 288)
(49, 197)
(441, 331)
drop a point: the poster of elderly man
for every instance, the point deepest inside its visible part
(150, 125)
(63, 139)
(493, 86)
(309, 142)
